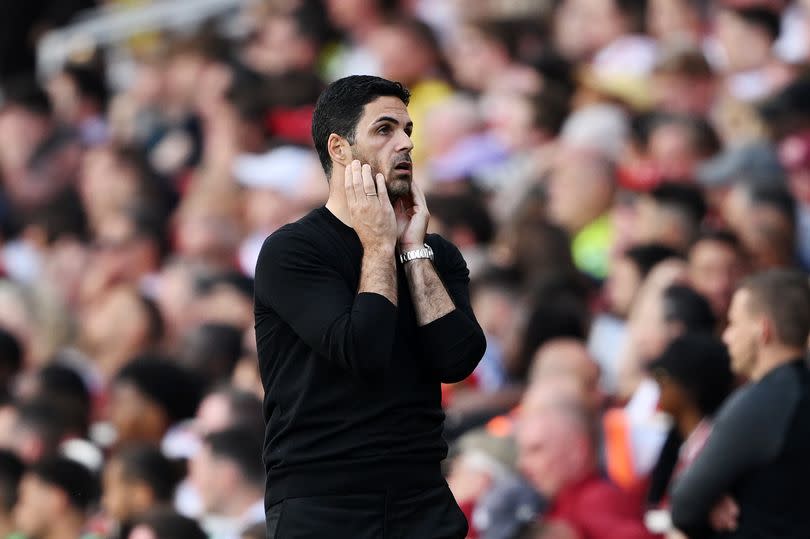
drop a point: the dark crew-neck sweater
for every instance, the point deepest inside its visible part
(352, 385)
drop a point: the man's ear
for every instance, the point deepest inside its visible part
(339, 150)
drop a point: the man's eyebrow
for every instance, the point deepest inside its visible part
(391, 120)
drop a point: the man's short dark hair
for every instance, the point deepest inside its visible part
(647, 256)
(719, 235)
(784, 297)
(146, 464)
(213, 350)
(340, 107)
(245, 408)
(242, 446)
(774, 195)
(47, 418)
(168, 523)
(685, 200)
(79, 484)
(174, 388)
(684, 305)
(763, 17)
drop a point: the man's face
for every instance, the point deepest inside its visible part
(741, 334)
(383, 140)
(36, 507)
(622, 286)
(547, 451)
(714, 271)
(580, 189)
(117, 495)
(209, 476)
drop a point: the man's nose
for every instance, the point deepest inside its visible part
(404, 142)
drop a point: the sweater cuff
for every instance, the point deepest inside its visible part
(371, 303)
(454, 324)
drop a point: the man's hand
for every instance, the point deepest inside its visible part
(370, 210)
(725, 515)
(412, 219)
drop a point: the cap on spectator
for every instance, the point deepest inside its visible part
(174, 388)
(699, 363)
(600, 128)
(756, 162)
(280, 169)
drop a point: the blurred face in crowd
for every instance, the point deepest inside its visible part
(580, 189)
(214, 479)
(38, 507)
(21, 131)
(105, 184)
(742, 333)
(383, 140)
(279, 47)
(673, 20)
(388, 45)
(553, 451)
(583, 27)
(745, 45)
(673, 399)
(123, 499)
(134, 417)
(114, 328)
(622, 285)
(715, 269)
(126, 255)
(683, 94)
(475, 57)
(568, 358)
(672, 151)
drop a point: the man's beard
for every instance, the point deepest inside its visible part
(396, 186)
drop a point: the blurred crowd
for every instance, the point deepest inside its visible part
(610, 169)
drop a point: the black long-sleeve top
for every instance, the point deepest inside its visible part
(352, 385)
(759, 454)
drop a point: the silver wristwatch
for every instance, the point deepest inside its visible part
(423, 252)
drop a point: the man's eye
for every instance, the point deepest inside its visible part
(383, 130)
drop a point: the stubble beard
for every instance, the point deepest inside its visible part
(396, 187)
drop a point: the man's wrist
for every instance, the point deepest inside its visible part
(405, 247)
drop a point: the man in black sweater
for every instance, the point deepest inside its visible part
(360, 316)
(750, 480)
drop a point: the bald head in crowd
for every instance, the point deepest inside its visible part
(562, 361)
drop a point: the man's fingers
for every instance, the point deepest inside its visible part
(347, 184)
(418, 195)
(357, 181)
(368, 181)
(382, 192)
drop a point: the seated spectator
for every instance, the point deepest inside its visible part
(149, 396)
(229, 475)
(716, 265)
(162, 524)
(136, 480)
(558, 455)
(40, 427)
(119, 324)
(566, 357)
(750, 477)
(213, 350)
(694, 376)
(609, 330)
(670, 214)
(55, 497)
(227, 407)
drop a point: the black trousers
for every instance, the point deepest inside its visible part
(416, 514)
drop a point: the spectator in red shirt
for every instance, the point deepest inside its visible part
(558, 455)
